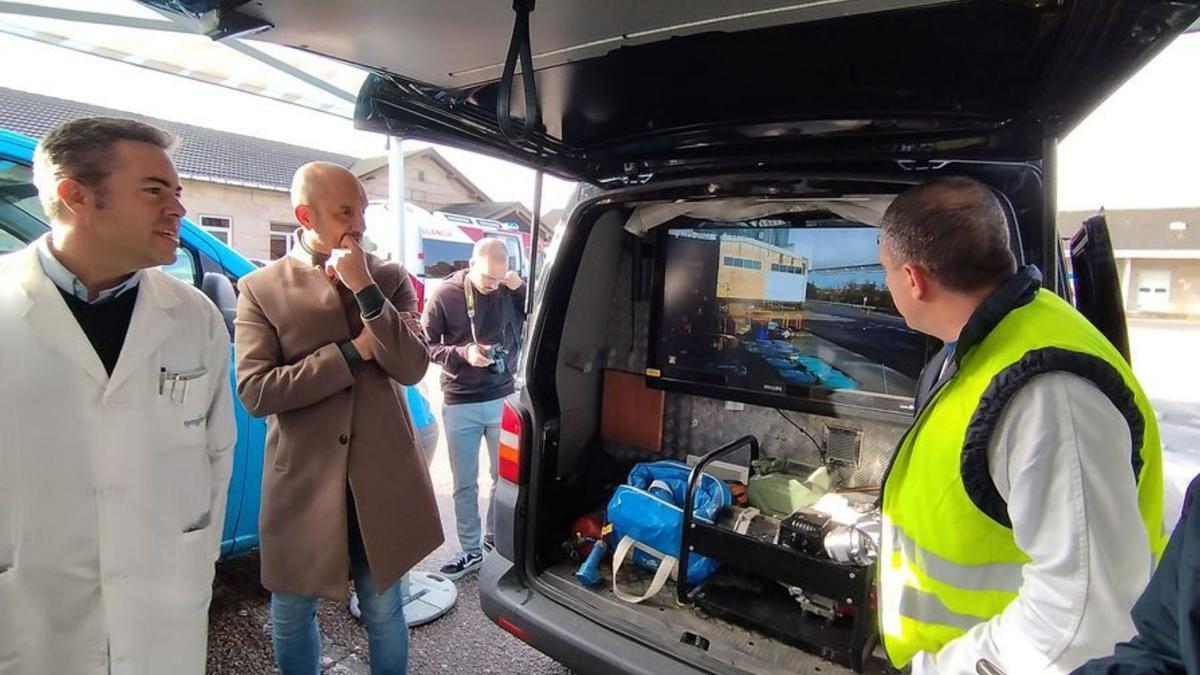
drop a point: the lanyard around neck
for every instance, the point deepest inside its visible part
(469, 291)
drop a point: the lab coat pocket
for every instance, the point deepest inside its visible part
(180, 463)
(183, 400)
(196, 554)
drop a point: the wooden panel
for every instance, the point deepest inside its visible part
(632, 413)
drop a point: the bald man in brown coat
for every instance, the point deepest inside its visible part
(324, 339)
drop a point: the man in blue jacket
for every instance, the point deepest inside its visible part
(1167, 615)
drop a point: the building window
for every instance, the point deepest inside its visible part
(282, 239)
(744, 263)
(420, 175)
(218, 226)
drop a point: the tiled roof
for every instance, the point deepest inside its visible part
(367, 165)
(200, 153)
(483, 209)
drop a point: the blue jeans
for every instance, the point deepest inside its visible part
(466, 424)
(297, 641)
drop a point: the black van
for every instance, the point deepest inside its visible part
(714, 286)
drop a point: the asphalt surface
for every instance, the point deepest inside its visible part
(881, 338)
(463, 641)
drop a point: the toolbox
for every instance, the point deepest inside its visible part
(788, 592)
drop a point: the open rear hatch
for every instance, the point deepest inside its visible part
(633, 91)
(630, 88)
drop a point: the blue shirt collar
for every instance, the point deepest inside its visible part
(66, 280)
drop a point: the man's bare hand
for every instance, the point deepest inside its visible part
(350, 265)
(476, 358)
(513, 280)
(362, 344)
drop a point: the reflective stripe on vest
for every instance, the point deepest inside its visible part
(927, 608)
(949, 559)
(999, 576)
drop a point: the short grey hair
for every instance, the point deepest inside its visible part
(82, 149)
(955, 228)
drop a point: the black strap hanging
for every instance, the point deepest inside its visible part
(519, 48)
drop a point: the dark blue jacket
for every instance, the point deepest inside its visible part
(1167, 616)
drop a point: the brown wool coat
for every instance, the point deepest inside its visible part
(329, 424)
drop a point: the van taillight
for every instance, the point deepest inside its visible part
(513, 628)
(510, 445)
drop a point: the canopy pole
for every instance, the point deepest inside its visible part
(396, 196)
(534, 236)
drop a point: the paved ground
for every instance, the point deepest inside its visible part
(1167, 362)
(1165, 358)
(463, 641)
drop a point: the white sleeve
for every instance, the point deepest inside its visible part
(221, 425)
(1061, 458)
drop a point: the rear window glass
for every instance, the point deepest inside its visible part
(443, 258)
(184, 267)
(21, 217)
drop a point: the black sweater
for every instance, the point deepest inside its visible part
(448, 330)
(105, 324)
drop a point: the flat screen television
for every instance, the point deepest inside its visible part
(784, 313)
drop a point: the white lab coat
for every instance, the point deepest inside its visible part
(112, 497)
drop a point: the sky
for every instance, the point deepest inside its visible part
(1139, 149)
(838, 247)
(62, 72)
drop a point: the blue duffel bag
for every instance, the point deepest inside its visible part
(646, 515)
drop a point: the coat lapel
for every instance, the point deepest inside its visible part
(152, 321)
(52, 319)
(317, 300)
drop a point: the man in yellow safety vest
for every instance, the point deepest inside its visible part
(1023, 509)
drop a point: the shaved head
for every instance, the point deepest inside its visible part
(489, 264)
(490, 249)
(313, 178)
(329, 202)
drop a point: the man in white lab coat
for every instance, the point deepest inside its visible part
(116, 430)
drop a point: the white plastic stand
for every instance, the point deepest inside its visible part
(427, 597)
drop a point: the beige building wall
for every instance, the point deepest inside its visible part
(747, 284)
(251, 211)
(426, 184)
(1184, 288)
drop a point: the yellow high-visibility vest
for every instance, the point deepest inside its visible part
(949, 559)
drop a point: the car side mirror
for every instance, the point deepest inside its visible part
(220, 290)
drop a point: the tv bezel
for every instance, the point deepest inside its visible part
(807, 399)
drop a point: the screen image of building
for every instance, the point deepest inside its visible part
(750, 269)
(762, 284)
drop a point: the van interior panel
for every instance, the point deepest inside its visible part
(611, 420)
(632, 412)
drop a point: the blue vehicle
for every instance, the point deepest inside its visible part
(211, 266)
